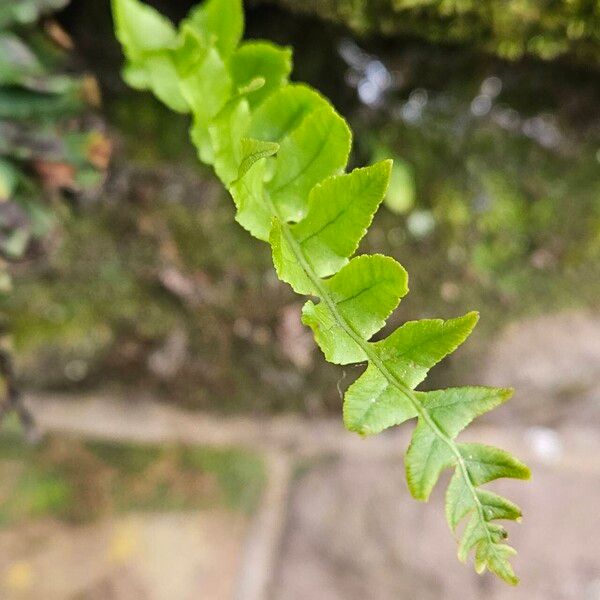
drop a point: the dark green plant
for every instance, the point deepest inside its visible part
(40, 149)
(509, 28)
(42, 153)
(281, 150)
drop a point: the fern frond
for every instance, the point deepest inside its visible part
(281, 150)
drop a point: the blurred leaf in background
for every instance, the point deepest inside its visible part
(50, 146)
(48, 143)
(23, 12)
(400, 196)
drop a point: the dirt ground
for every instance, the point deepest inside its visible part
(124, 558)
(355, 533)
(336, 521)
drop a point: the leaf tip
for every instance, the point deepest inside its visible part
(472, 316)
(520, 470)
(387, 164)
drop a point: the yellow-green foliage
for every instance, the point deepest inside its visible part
(281, 150)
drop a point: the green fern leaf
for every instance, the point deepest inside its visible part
(141, 29)
(373, 403)
(316, 149)
(252, 151)
(260, 60)
(253, 214)
(219, 23)
(340, 209)
(147, 38)
(415, 347)
(283, 111)
(281, 150)
(364, 293)
(226, 144)
(451, 410)
(204, 80)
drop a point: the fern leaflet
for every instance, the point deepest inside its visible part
(281, 150)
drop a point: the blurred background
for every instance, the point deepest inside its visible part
(170, 430)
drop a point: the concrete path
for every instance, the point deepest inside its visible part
(337, 522)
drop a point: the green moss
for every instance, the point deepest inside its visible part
(12, 444)
(128, 458)
(241, 476)
(37, 494)
(82, 481)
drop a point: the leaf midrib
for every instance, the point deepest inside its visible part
(379, 364)
(306, 166)
(376, 285)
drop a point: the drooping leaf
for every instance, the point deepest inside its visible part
(427, 456)
(253, 213)
(285, 259)
(281, 150)
(161, 77)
